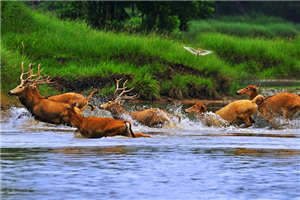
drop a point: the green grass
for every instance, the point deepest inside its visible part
(183, 82)
(73, 51)
(259, 57)
(259, 26)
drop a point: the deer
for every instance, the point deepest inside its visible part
(98, 127)
(152, 117)
(40, 107)
(240, 112)
(285, 104)
(69, 98)
(72, 97)
(198, 108)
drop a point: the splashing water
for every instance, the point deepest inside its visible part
(42, 161)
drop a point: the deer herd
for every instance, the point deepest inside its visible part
(68, 109)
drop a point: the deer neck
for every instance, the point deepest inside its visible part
(30, 97)
(253, 95)
(76, 120)
(118, 111)
(36, 94)
(27, 98)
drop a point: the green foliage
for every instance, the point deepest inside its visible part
(255, 55)
(10, 23)
(133, 25)
(132, 16)
(147, 86)
(188, 84)
(11, 68)
(244, 27)
(155, 65)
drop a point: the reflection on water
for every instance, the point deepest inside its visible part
(41, 161)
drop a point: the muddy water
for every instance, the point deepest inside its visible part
(191, 161)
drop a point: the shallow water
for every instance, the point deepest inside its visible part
(192, 161)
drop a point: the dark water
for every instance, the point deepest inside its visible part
(192, 161)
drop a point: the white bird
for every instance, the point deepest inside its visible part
(198, 52)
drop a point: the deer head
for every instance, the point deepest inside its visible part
(199, 108)
(250, 90)
(114, 106)
(29, 81)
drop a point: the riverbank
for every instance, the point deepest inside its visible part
(79, 58)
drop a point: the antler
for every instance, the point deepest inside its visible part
(40, 79)
(22, 73)
(123, 91)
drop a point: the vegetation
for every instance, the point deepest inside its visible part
(258, 26)
(79, 57)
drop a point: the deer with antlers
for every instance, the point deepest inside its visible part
(40, 107)
(152, 117)
(68, 98)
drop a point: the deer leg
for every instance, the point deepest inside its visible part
(83, 108)
(155, 121)
(92, 107)
(248, 121)
(139, 134)
(288, 114)
(117, 130)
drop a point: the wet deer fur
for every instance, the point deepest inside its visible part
(97, 127)
(284, 104)
(236, 113)
(41, 108)
(72, 97)
(150, 117)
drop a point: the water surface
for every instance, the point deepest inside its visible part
(192, 161)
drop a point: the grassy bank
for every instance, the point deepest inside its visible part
(80, 58)
(246, 26)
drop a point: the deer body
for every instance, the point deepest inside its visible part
(237, 113)
(97, 127)
(72, 97)
(284, 104)
(150, 117)
(41, 108)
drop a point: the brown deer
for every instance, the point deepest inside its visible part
(236, 113)
(152, 117)
(72, 97)
(198, 108)
(69, 98)
(40, 107)
(97, 127)
(284, 104)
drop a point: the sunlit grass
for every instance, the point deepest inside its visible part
(73, 50)
(252, 26)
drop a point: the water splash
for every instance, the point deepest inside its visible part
(11, 120)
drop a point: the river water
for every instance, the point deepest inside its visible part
(191, 161)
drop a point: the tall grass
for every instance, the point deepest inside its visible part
(72, 50)
(256, 56)
(262, 26)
